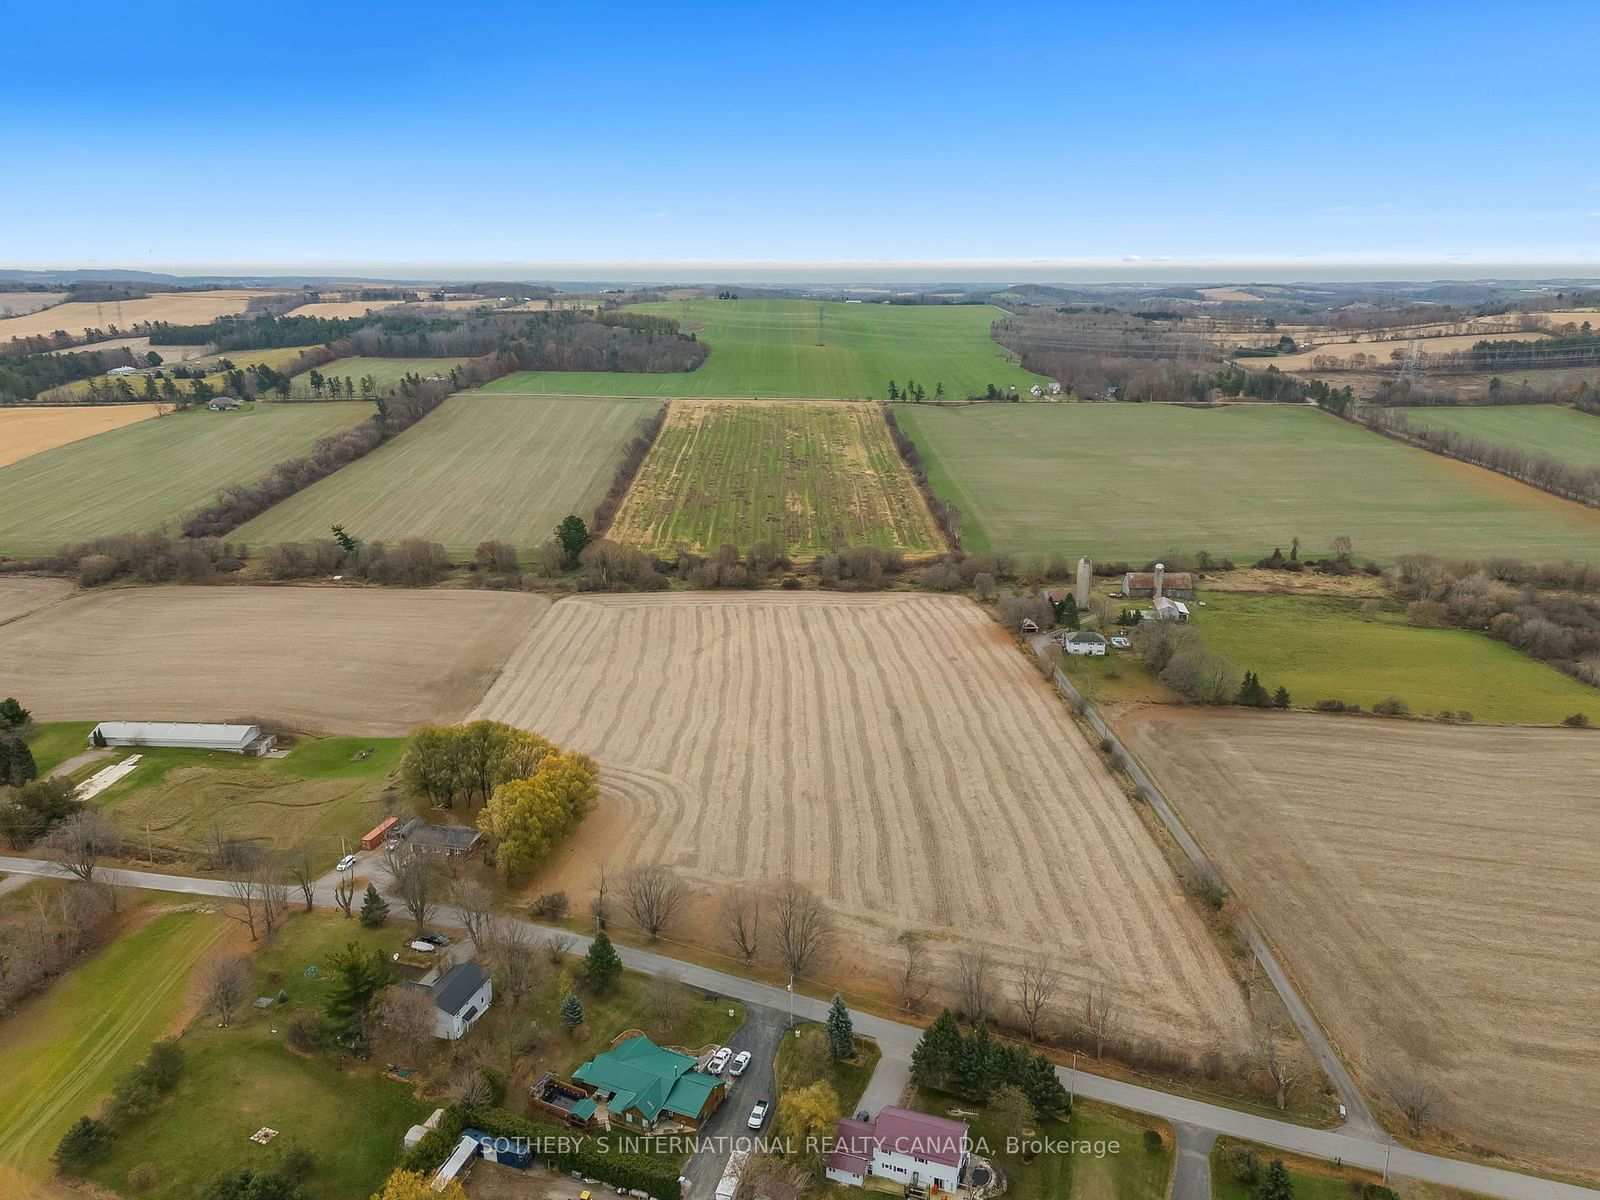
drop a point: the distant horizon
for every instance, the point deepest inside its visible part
(866, 274)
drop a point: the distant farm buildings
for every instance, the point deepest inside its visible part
(1158, 583)
(1167, 609)
(234, 739)
(223, 404)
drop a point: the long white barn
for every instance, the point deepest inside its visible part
(194, 735)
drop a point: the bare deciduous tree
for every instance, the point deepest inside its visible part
(344, 892)
(557, 946)
(601, 907)
(299, 867)
(472, 900)
(226, 985)
(243, 889)
(273, 891)
(913, 984)
(1420, 1102)
(402, 1019)
(741, 918)
(652, 896)
(974, 984)
(413, 877)
(1269, 1055)
(510, 949)
(79, 843)
(1036, 986)
(665, 999)
(801, 924)
(1099, 1016)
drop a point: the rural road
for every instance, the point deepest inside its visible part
(1359, 1121)
(897, 1040)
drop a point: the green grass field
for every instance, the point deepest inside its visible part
(1323, 648)
(805, 477)
(147, 476)
(480, 467)
(1137, 482)
(1562, 433)
(769, 348)
(320, 796)
(804, 1059)
(60, 1053)
(346, 1112)
(55, 742)
(387, 371)
(1318, 1181)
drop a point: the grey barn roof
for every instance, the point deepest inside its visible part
(457, 986)
(452, 837)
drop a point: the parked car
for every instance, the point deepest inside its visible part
(434, 939)
(1120, 642)
(758, 1114)
(719, 1060)
(345, 863)
(740, 1061)
(422, 947)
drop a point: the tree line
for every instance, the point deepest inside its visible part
(24, 377)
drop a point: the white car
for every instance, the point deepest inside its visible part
(345, 863)
(1121, 643)
(758, 1114)
(422, 947)
(719, 1060)
(740, 1061)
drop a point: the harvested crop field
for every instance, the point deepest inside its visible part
(176, 308)
(806, 477)
(343, 660)
(1140, 481)
(148, 476)
(18, 304)
(895, 753)
(1436, 890)
(27, 431)
(1382, 353)
(481, 467)
(329, 309)
(21, 594)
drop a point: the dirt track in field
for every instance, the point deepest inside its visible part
(25, 431)
(21, 594)
(1435, 889)
(336, 660)
(896, 753)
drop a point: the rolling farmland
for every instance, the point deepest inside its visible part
(1562, 433)
(769, 348)
(149, 475)
(387, 371)
(1435, 889)
(28, 431)
(177, 308)
(18, 304)
(481, 467)
(805, 477)
(1137, 482)
(338, 660)
(895, 753)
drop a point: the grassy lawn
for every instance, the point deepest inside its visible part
(54, 742)
(769, 348)
(1135, 482)
(480, 467)
(347, 1113)
(320, 796)
(804, 477)
(1562, 433)
(804, 1060)
(1325, 648)
(147, 476)
(60, 1053)
(1097, 1155)
(1312, 1180)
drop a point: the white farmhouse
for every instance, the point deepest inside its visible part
(918, 1151)
(460, 996)
(1086, 642)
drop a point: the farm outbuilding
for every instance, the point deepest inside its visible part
(189, 735)
(452, 841)
(1159, 582)
(1168, 609)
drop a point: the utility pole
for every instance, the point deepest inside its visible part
(791, 998)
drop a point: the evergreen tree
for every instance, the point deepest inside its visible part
(934, 1058)
(1251, 693)
(1280, 698)
(1040, 1083)
(894, 392)
(975, 1071)
(16, 761)
(1275, 1184)
(841, 1035)
(603, 966)
(358, 976)
(86, 1143)
(573, 536)
(374, 908)
(571, 1011)
(1068, 617)
(12, 714)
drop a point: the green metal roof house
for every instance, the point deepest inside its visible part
(645, 1085)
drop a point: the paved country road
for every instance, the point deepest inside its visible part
(897, 1039)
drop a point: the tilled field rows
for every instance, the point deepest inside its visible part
(894, 752)
(1436, 890)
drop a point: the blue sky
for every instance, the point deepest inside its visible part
(430, 135)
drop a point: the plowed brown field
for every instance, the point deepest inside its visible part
(337, 660)
(896, 753)
(1435, 889)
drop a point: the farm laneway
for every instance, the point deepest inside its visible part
(896, 753)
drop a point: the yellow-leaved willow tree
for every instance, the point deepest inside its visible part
(526, 817)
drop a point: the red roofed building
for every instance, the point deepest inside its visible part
(911, 1148)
